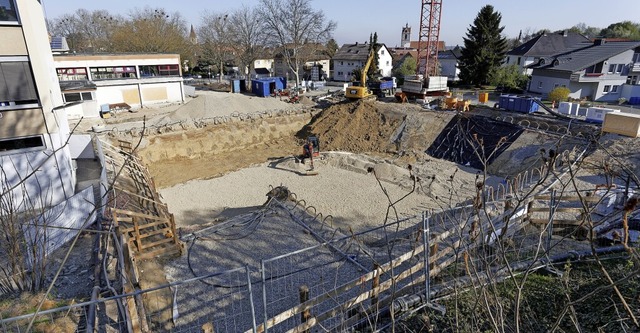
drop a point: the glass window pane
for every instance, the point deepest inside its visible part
(72, 97)
(8, 11)
(86, 96)
(16, 82)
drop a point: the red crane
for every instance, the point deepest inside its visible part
(429, 37)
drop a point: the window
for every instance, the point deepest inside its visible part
(341, 63)
(539, 84)
(169, 70)
(72, 74)
(556, 85)
(606, 89)
(17, 86)
(633, 79)
(8, 11)
(506, 62)
(619, 68)
(79, 96)
(612, 68)
(519, 60)
(614, 89)
(382, 52)
(636, 57)
(116, 72)
(387, 62)
(21, 143)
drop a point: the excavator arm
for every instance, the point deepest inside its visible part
(365, 69)
(355, 93)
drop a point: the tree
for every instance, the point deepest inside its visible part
(588, 31)
(407, 67)
(246, 35)
(292, 24)
(509, 76)
(373, 47)
(484, 47)
(152, 30)
(331, 47)
(86, 31)
(559, 94)
(215, 37)
(625, 29)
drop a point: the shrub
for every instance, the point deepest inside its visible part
(559, 94)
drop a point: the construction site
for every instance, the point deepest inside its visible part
(341, 212)
(216, 224)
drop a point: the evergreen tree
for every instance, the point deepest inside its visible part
(484, 48)
(373, 45)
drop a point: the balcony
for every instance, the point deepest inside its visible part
(586, 77)
(635, 67)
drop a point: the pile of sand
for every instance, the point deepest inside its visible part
(358, 127)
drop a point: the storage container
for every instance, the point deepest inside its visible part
(483, 97)
(623, 123)
(565, 107)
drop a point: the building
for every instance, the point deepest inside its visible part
(137, 80)
(262, 68)
(602, 71)
(354, 56)
(448, 60)
(541, 46)
(311, 56)
(35, 159)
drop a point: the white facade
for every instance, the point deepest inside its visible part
(137, 80)
(343, 68)
(522, 62)
(34, 159)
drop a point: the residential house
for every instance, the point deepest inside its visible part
(448, 60)
(602, 71)
(134, 79)
(354, 56)
(262, 68)
(311, 56)
(541, 46)
(34, 158)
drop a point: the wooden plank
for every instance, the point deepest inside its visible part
(162, 250)
(160, 242)
(569, 198)
(139, 196)
(155, 232)
(137, 233)
(136, 214)
(557, 209)
(558, 221)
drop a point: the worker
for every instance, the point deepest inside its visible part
(307, 151)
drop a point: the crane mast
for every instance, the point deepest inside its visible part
(429, 37)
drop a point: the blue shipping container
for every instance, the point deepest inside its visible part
(634, 101)
(266, 86)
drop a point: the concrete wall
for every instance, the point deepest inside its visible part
(75, 213)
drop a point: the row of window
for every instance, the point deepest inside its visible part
(116, 72)
(615, 68)
(610, 89)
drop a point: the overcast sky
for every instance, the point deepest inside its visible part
(356, 19)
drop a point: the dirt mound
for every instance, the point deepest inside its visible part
(358, 127)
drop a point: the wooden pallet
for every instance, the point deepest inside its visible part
(148, 236)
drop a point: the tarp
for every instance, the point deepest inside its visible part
(469, 140)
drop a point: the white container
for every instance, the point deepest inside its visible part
(596, 115)
(565, 107)
(574, 109)
(582, 112)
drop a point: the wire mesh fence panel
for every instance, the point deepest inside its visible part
(220, 300)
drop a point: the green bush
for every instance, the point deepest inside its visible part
(559, 94)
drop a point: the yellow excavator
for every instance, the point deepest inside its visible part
(361, 91)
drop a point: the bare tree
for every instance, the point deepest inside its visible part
(86, 31)
(291, 25)
(152, 30)
(247, 35)
(215, 37)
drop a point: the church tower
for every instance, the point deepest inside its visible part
(405, 41)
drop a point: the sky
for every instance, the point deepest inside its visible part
(357, 19)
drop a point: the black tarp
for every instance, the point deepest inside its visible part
(468, 140)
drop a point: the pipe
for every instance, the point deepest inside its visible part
(95, 258)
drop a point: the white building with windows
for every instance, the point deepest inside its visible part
(36, 166)
(354, 56)
(602, 71)
(137, 80)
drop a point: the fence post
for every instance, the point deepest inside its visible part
(304, 296)
(253, 311)
(427, 266)
(264, 295)
(552, 209)
(375, 282)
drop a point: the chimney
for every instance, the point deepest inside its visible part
(599, 41)
(564, 33)
(356, 43)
